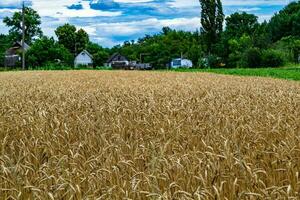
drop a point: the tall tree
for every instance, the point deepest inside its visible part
(239, 24)
(66, 35)
(212, 18)
(32, 25)
(82, 40)
(75, 41)
(286, 22)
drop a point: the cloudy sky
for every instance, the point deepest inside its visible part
(111, 22)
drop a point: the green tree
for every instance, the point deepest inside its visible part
(290, 47)
(100, 54)
(286, 22)
(32, 25)
(237, 48)
(66, 35)
(212, 18)
(75, 41)
(82, 40)
(239, 24)
(46, 51)
(272, 58)
(251, 58)
(4, 45)
(161, 48)
(261, 37)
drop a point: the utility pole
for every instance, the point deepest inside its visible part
(23, 36)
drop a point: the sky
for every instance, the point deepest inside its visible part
(111, 22)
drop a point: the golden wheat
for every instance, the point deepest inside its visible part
(148, 135)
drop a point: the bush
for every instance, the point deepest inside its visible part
(52, 66)
(251, 58)
(212, 61)
(47, 52)
(272, 58)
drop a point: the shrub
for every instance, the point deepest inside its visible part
(46, 51)
(272, 58)
(211, 61)
(52, 66)
(251, 58)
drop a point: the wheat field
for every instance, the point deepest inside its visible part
(148, 135)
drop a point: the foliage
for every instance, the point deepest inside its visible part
(32, 24)
(239, 24)
(212, 18)
(286, 22)
(52, 66)
(211, 61)
(75, 41)
(290, 48)
(251, 58)
(237, 48)
(272, 58)
(241, 44)
(47, 52)
(66, 35)
(4, 45)
(161, 48)
(82, 39)
(100, 54)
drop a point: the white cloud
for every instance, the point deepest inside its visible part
(249, 9)
(58, 8)
(192, 3)
(4, 3)
(117, 26)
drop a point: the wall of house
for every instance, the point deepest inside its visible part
(83, 59)
(177, 63)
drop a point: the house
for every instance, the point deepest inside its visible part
(117, 61)
(13, 54)
(181, 63)
(84, 58)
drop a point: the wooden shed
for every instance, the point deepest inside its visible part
(13, 54)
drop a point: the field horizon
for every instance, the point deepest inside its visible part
(148, 135)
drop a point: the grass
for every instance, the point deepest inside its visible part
(289, 73)
(148, 135)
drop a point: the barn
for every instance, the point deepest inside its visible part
(12, 55)
(84, 59)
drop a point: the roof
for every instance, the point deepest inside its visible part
(86, 52)
(180, 59)
(17, 46)
(116, 57)
(26, 46)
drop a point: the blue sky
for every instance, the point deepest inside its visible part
(111, 22)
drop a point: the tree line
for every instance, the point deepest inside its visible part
(242, 42)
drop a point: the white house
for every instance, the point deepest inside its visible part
(84, 58)
(181, 63)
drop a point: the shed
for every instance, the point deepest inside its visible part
(181, 63)
(12, 55)
(84, 58)
(117, 61)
